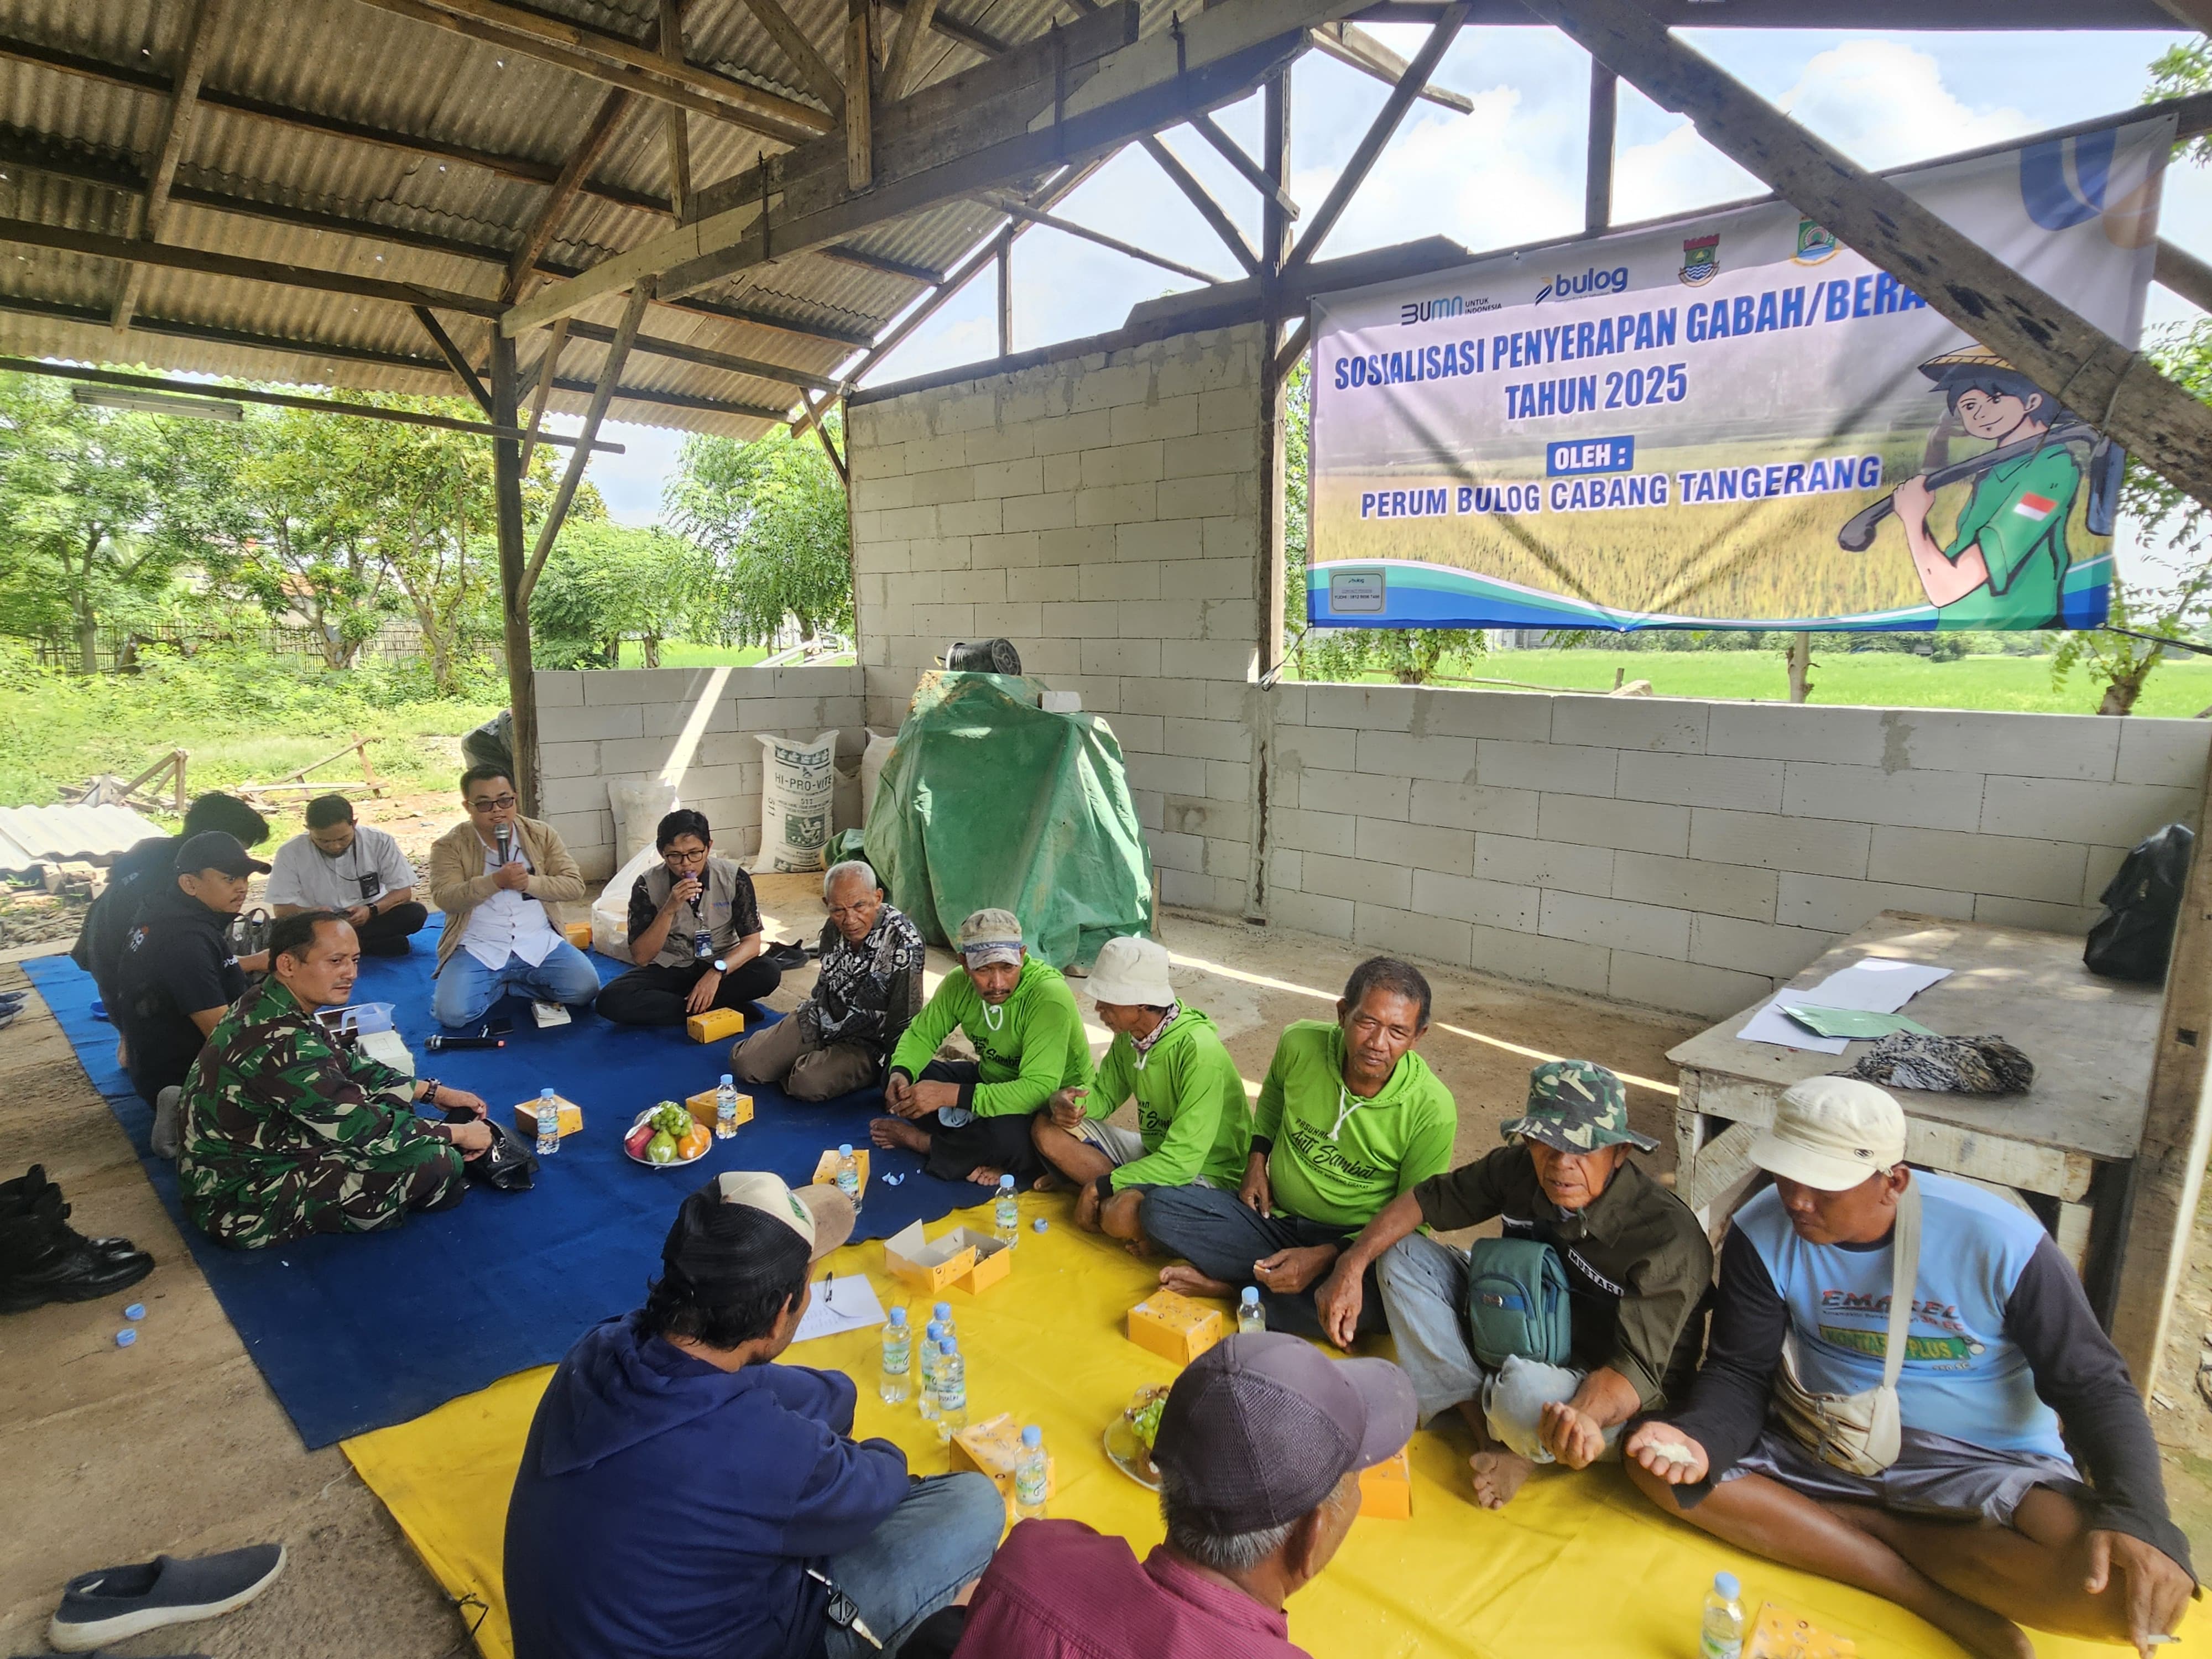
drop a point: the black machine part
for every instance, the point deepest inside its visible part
(983, 656)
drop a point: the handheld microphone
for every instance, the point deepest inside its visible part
(506, 844)
(440, 1042)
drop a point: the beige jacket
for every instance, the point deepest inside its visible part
(459, 883)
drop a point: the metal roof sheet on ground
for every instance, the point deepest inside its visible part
(33, 836)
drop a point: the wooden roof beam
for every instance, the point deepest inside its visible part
(1069, 228)
(1215, 216)
(651, 397)
(1233, 153)
(176, 135)
(1350, 43)
(455, 358)
(813, 68)
(898, 73)
(967, 34)
(679, 121)
(522, 264)
(602, 393)
(2179, 271)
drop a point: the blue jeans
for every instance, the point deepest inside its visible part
(1221, 1236)
(939, 1537)
(466, 988)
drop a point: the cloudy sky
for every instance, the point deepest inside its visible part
(1513, 171)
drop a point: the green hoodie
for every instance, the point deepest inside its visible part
(1037, 1045)
(1378, 1148)
(1191, 1113)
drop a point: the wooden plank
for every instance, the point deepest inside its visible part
(1215, 216)
(2168, 1177)
(176, 136)
(1350, 43)
(653, 398)
(1716, 1184)
(2159, 423)
(31, 233)
(1103, 95)
(814, 70)
(1006, 297)
(952, 28)
(602, 394)
(867, 261)
(679, 121)
(522, 264)
(454, 357)
(618, 63)
(202, 389)
(514, 600)
(1378, 134)
(1233, 153)
(859, 106)
(1597, 166)
(1271, 573)
(2181, 272)
(26, 305)
(898, 74)
(1069, 228)
(705, 356)
(1293, 348)
(548, 367)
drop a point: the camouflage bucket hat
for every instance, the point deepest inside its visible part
(1577, 1107)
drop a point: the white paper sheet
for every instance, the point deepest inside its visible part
(839, 1306)
(1874, 985)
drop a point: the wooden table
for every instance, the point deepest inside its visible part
(2063, 1148)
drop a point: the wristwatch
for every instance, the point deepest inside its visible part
(720, 966)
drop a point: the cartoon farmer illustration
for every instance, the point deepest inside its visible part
(2006, 564)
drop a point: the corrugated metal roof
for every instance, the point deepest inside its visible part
(31, 835)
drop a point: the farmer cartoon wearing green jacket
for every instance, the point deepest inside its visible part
(1193, 1123)
(2006, 563)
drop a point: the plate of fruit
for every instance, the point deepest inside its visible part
(1129, 1436)
(667, 1134)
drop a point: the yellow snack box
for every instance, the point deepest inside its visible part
(1386, 1490)
(932, 1264)
(1778, 1634)
(826, 1167)
(994, 1260)
(525, 1117)
(579, 933)
(992, 1447)
(715, 1024)
(701, 1107)
(1175, 1327)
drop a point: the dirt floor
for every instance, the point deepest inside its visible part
(176, 1445)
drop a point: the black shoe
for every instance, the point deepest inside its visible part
(115, 1603)
(43, 1258)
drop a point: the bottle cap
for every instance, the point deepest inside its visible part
(545, 1094)
(136, 1310)
(1006, 1183)
(943, 1312)
(845, 1151)
(1251, 1295)
(728, 1082)
(948, 1346)
(898, 1315)
(126, 1337)
(935, 1333)
(1032, 1436)
(1039, 1224)
(1725, 1585)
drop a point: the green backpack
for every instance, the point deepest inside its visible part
(1516, 1302)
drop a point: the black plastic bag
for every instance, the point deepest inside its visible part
(509, 1165)
(2131, 939)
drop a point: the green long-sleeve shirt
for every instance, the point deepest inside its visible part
(1191, 1113)
(1035, 1045)
(1337, 1159)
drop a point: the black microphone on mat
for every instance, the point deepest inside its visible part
(440, 1042)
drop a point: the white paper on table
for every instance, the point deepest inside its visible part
(839, 1306)
(1874, 985)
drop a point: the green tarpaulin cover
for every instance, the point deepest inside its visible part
(989, 801)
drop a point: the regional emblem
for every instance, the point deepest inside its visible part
(1815, 245)
(1701, 260)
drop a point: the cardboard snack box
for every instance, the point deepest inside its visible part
(1175, 1327)
(930, 1264)
(994, 1260)
(701, 1107)
(992, 1447)
(826, 1167)
(1386, 1490)
(579, 933)
(1776, 1632)
(525, 1117)
(715, 1024)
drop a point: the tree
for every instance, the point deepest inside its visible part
(97, 509)
(605, 583)
(1410, 656)
(771, 514)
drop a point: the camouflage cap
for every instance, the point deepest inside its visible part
(1577, 1107)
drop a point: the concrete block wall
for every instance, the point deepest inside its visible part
(1100, 509)
(1692, 855)
(596, 726)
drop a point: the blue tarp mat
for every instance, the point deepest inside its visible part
(359, 1332)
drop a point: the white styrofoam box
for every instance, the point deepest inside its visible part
(1063, 702)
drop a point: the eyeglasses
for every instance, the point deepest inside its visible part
(498, 804)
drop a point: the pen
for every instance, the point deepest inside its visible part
(828, 1294)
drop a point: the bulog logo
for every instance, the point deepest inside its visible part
(1592, 281)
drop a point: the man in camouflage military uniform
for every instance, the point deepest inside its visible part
(1638, 1267)
(288, 1133)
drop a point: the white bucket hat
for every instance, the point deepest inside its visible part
(1832, 1132)
(1132, 972)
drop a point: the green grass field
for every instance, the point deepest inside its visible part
(1877, 678)
(682, 654)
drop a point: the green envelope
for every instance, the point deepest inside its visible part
(1854, 1022)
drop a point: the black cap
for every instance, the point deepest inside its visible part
(1259, 1429)
(213, 849)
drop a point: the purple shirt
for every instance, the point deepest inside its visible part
(1058, 1591)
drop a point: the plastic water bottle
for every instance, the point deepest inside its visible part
(1249, 1315)
(1007, 1213)
(1722, 1635)
(926, 1400)
(952, 1391)
(1030, 1476)
(549, 1124)
(898, 1349)
(848, 1176)
(942, 1313)
(725, 1108)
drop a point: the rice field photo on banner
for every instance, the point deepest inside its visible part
(1732, 421)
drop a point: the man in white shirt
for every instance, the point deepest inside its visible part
(355, 869)
(493, 877)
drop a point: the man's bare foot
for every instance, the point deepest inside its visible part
(1047, 1182)
(1186, 1281)
(898, 1132)
(1497, 1476)
(1976, 1628)
(983, 1175)
(1140, 1248)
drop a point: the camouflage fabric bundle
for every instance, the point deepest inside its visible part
(1961, 1065)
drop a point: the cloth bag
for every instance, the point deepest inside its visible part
(1516, 1303)
(1859, 1433)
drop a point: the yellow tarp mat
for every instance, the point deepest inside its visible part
(1578, 1564)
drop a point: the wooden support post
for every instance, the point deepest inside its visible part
(678, 118)
(1293, 348)
(1211, 211)
(1350, 43)
(860, 133)
(176, 135)
(1006, 297)
(1233, 153)
(522, 268)
(455, 358)
(898, 74)
(813, 68)
(1801, 667)
(1597, 171)
(548, 366)
(2116, 386)
(2179, 271)
(2168, 1175)
(514, 603)
(602, 395)
(1276, 250)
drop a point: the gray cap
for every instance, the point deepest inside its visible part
(991, 936)
(216, 849)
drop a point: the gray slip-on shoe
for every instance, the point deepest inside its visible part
(115, 1603)
(168, 1130)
